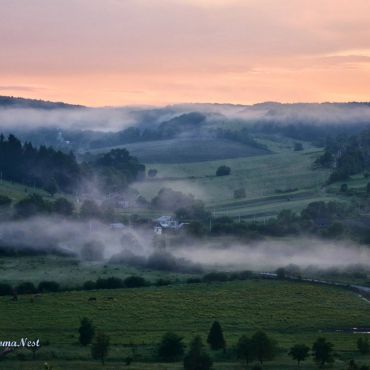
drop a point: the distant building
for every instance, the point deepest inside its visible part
(167, 223)
(117, 226)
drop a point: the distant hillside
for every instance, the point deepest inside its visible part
(15, 102)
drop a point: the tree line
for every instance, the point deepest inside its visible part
(54, 170)
(252, 352)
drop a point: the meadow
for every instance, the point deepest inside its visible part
(71, 272)
(136, 319)
(284, 179)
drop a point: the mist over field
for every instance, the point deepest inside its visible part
(97, 242)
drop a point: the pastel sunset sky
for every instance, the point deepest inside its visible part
(125, 52)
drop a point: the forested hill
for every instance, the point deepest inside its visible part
(15, 102)
(54, 170)
(346, 155)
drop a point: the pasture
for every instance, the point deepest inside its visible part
(187, 150)
(284, 180)
(71, 272)
(137, 318)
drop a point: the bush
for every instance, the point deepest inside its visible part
(63, 206)
(215, 276)
(281, 273)
(152, 172)
(48, 286)
(5, 201)
(197, 358)
(223, 171)
(344, 188)
(86, 331)
(100, 347)
(135, 282)
(363, 345)
(26, 288)
(31, 206)
(5, 289)
(298, 147)
(216, 338)
(89, 209)
(110, 283)
(171, 347)
(89, 285)
(239, 193)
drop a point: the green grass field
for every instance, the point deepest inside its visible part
(17, 191)
(262, 177)
(188, 150)
(70, 272)
(289, 312)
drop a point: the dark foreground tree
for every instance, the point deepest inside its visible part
(244, 350)
(299, 352)
(86, 331)
(322, 351)
(100, 347)
(197, 358)
(363, 345)
(171, 347)
(263, 347)
(215, 337)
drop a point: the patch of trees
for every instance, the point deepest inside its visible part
(319, 218)
(5, 201)
(152, 172)
(346, 155)
(223, 171)
(115, 170)
(242, 136)
(54, 170)
(117, 283)
(35, 204)
(188, 123)
(186, 206)
(43, 167)
(298, 147)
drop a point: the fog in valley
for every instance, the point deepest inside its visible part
(96, 242)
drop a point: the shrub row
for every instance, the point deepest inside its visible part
(118, 283)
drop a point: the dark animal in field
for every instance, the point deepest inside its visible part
(110, 299)
(14, 298)
(92, 299)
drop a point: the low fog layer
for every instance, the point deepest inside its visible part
(269, 255)
(93, 241)
(115, 119)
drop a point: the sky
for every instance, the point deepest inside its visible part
(157, 52)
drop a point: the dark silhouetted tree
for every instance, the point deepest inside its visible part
(152, 172)
(299, 352)
(244, 350)
(322, 351)
(263, 347)
(215, 337)
(86, 331)
(100, 347)
(197, 358)
(171, 347)
(63, 207)
(223, 171)
(363, 345)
